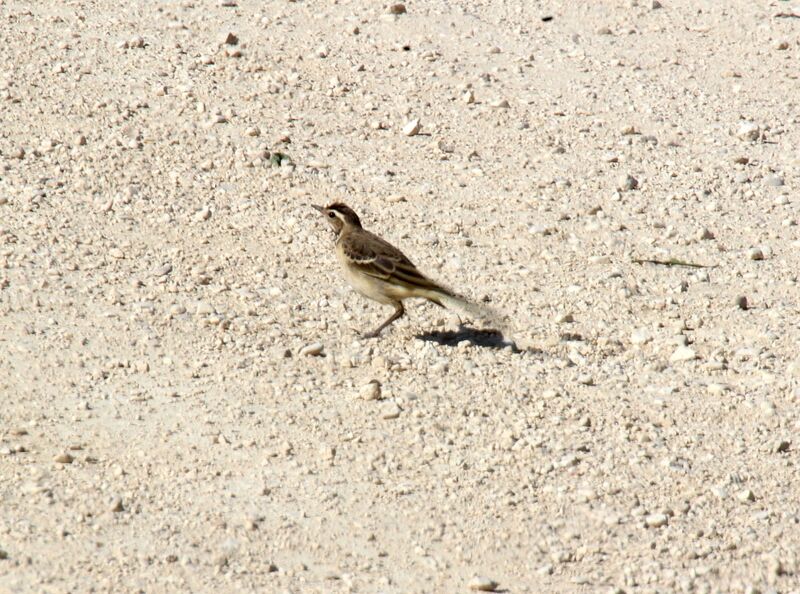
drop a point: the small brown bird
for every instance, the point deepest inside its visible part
(380, 271)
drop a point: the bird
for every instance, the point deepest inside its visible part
(380, 271)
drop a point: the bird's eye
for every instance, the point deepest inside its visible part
(331, 215)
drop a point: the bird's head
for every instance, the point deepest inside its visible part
(339, 216)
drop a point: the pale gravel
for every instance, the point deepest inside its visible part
(162, 279)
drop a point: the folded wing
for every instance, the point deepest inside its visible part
(382, 260)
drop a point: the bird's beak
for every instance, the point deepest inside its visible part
(319, 208)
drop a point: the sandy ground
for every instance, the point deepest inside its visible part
(162, 428)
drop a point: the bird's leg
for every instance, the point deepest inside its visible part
(399, 310)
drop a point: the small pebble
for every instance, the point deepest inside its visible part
(749, 131)
(656, 520)
(412, 128)
(746, 496)
(500, 104)
(397, 9)
(163, 270)
(370, 391)
(628, 183)
(312, 350)
(781, 445)
(64, 458)
(482, 584)
(682, 353)
(641, 336)
(204, 309)
(741, 302)
(755, 253)
(391, 411)
(773, 180)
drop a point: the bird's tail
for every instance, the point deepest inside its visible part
(479, 313)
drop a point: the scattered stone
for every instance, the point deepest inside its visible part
(163, 270)
(749, 131)
(655, 5)
(741, 302)
(312, 350)
(370, 391)
(116, 505)
(746, 496)
(64, 458)
(641, 336)
(564, 318)
(742, 160)
(500, 104)
(755, 253)
(17, 153)
(230, 39)
(203, 214)
(483, 584)
(773, 180)
(204, 309)
(469, 97)
(628, 183)
(705, 234)
(682, 353)
(412, 128)
(656, 520)
(397, 9)
(252, 131)
(780, 446)
(782, 45)
(391, 411)
(604, 31)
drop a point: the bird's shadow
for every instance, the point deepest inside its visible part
(488, 339)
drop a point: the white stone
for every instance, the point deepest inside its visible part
(412, 128)
(749, 131)
(641, 336)
(370, 391)
(682, 353)
(656, 520)
(482, 584)
(313, 350)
